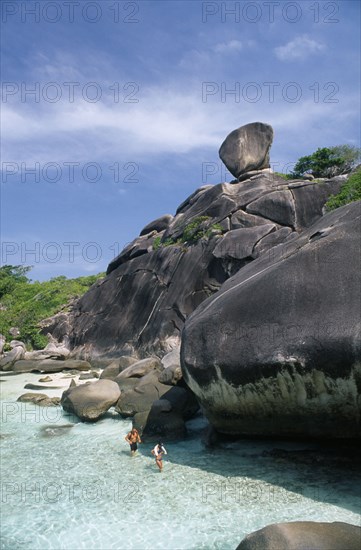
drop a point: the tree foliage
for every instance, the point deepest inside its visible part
(10, 276)
(328, 162)
(24, 303)
(350, 192)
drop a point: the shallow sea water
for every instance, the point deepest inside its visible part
(78, 488)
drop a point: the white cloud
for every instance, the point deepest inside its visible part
(206, 57)
(228, 47)
(299, 48)
(163, 122)
(169, 119)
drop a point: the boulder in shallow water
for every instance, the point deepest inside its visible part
(155, 424)
(302, 535)
(41, 387)
(39, 399)
(89, 375)
(55, 430)
(90, 401)
(140, 399)
(277, 351)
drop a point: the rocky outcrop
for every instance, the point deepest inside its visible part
(171, 375)
(92, 400)
(247, 148)
(151, 288)
(9, 360)
(158, 225)
(299, 535)
(111, 371)
(154, 394)
(141, 368)
(278, 351)
(140, 399)
(40, 399)
(50, 365)
(274, 352)
(2, 343)
(89, 375)
(167, 415)
(20, 360)
(53, 350)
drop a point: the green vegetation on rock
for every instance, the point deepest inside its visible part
(157, 243)
(23, 303)
(197, 229)
(284, 176)
(350, 192)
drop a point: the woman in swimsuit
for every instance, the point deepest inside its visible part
(133, 439)
(158, 452)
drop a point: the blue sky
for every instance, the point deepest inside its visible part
(131, 101)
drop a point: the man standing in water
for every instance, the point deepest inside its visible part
(133, 439)
(158, 452)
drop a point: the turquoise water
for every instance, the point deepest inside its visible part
(77, 487)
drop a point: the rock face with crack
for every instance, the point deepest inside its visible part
(158, 280)
(272, 347)
(278, 350)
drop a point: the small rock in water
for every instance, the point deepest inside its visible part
(88, 375)
(40, 387)
(45, 379)
(55, 430)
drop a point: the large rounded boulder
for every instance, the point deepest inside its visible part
(247, 148)
(90, 401)
(299, 535)
(277, 351)
(112, 370)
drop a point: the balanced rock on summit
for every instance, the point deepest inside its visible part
(247, 148)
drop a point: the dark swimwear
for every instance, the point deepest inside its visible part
(133, 446)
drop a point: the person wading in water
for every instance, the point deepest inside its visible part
(133, 438)
(158, 452)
